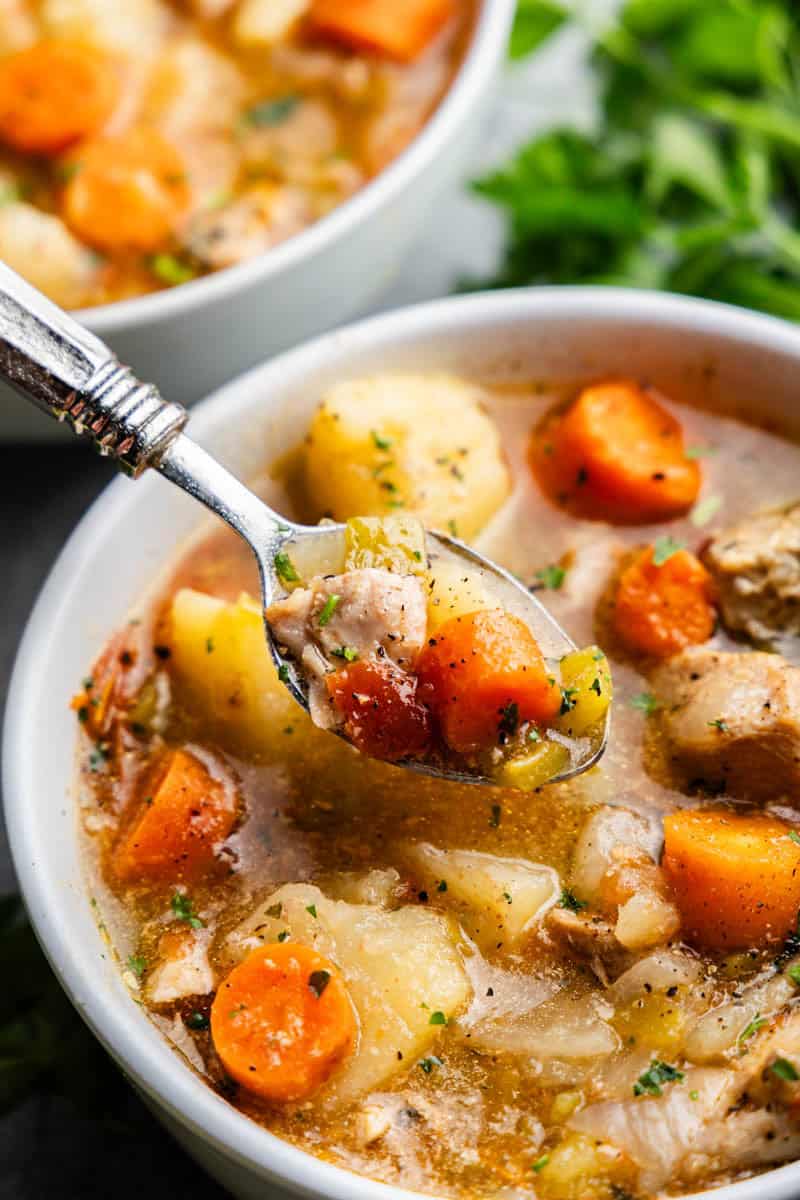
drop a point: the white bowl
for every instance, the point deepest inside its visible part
(134, 529)
(191, 339)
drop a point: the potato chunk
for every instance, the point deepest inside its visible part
(453, 591)
(222, 670)
(503, 898)
(403, 969)
(421, 443)
(41, 248)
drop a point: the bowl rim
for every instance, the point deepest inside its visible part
(155, 1068)
(483, 54)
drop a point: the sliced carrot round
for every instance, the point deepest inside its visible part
(377, 27)
(616, 454)
(182, 817)
(735, 877)
(127, 192)
(55, 94)
(283, 1021)
(384, 716)
(659, 610)
(482, 673)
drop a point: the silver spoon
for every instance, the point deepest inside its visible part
(73, 376)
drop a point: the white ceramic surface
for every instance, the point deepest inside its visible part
(688, 346)
(193, 338)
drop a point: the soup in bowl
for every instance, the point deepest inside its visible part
(326, 969)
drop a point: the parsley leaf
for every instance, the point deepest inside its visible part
(751, 1028)
(429, 1063)
(551, 577)
(328, 609)
(183, 907)
(664, 548)
(285, 568)
(649, 1083)
(571, 902)
(534, 21)
(437, 1018)
(785, 1070)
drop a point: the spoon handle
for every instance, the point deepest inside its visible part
(73, 376)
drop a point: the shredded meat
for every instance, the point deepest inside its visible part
(756, 565)
(733, 720)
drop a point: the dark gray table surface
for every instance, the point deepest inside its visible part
(103, 1142)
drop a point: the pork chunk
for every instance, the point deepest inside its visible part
(733, 720)
(756, 565)
(372, 613)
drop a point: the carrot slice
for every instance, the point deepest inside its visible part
(384, 716)
(483, 672)
(282, 1021)
(379, 26)
(616, 454)
(183, 816)
(736, 878)
(55, 94)
(661, 609)
(127, 192)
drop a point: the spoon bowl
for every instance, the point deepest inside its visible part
(75, 378)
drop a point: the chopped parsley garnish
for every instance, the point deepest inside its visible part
(540, 1163)
(795, 836)
(437, 1018)
(197, 1020)
(442, 887)
(571, 902)
(752, 1028)
(347, 653)
(283, 673)
(312, 909)
(429, 1063)
(183, 908)
(494, 819)
(785, 1070)
(283, 935)
(702, 512)
(650, 1081)
(509, 719)
(382, 443)
(285, 568)
(719, 724)
(83, 714)
(551, 577)
(271, 112)
(137, 964)
(209, 645)
(595, 687)
(318, 981)
(328, 609)
(568, 700)
(664, 548)
(534, 735)
(171, 270)
(98, 757)
(646, 702)
(275, 910)
(794, 974)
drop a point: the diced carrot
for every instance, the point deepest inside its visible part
(659, 610)
(183, 815)
(380, 26)
(54, 94)
(384, 716)
(735, 877)
(127, 192)
(616, 454)
(282, 1022)
(483, 672)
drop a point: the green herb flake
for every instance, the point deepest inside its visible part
(437, 1018)
(551, 577)
(171, 270)
(271, 112)
(442, 887)
(719, 724)
(595, 687)
(427, 1064)
(705, 510)
(649, 1083)
(183, 907)
(209, 645)
(784, 1070)
(568, 700)
(509, 719)
(347, 653)
(381, 443)
(571, 902)
(793, 973)
(645, 702)
(137, 965)
(751, 1028)
(197, 1020)
(318, 981)
(312, 909)
(328, 609)
(540, 1163)
(795, 836)
(664, 548)
(285, 568)
(283, 673)
(283, 936)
